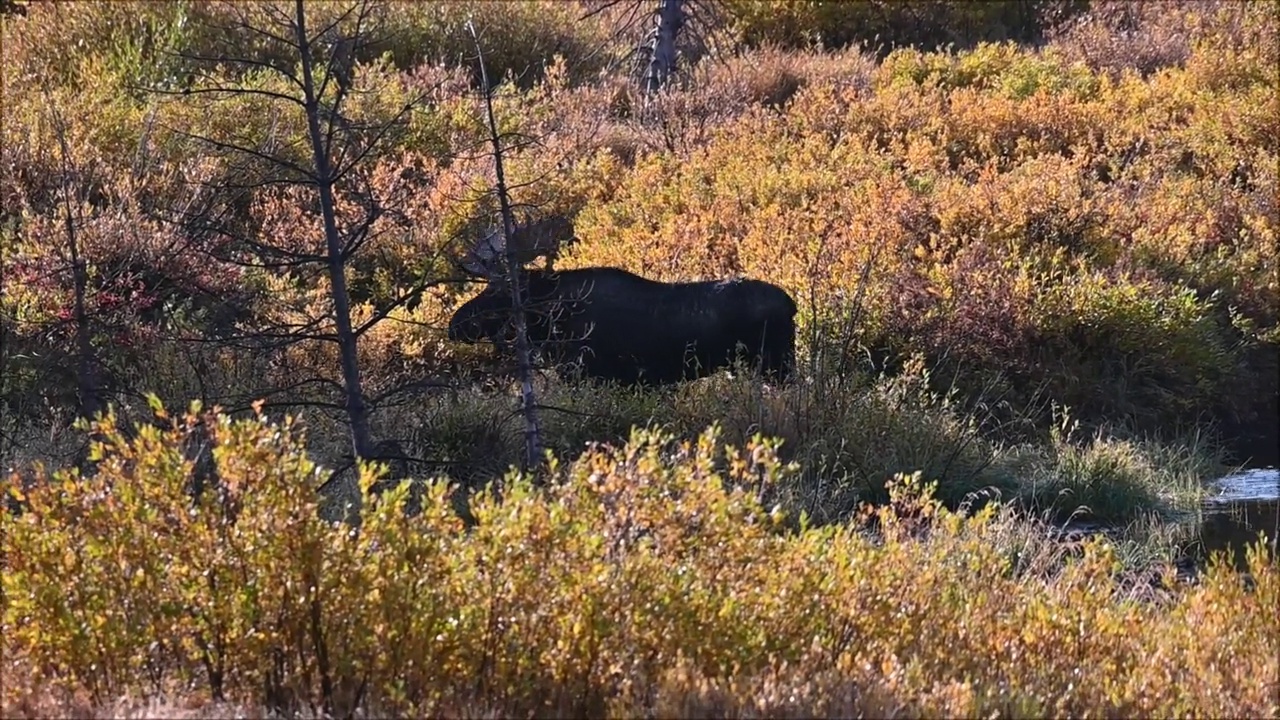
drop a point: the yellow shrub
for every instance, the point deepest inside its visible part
(644, 574)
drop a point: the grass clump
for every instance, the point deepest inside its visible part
(646, 578)
(1116, 481)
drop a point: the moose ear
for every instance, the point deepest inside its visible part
(468, 265)
(481, 259)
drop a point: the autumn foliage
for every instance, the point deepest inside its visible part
(643, 579)
(1030, 242)
(1041, 220)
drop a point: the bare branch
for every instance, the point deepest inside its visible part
(87, 381)
(329, 66)
(288, 164)
(220, 90)
(245, 61)
(281, 20)
(601, 7)
(340, 170)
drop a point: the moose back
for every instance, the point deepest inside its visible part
(621, 327)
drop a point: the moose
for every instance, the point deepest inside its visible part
(618, 326)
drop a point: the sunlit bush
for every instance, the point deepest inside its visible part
(1093, 224)
(1147, 347)
(643, 578)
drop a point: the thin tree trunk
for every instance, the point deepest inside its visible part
(357, 411)
(89, 401)
(524, 353)
(86, 378)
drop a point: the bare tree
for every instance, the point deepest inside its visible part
(361, 438)
(312, 147)
(9, 415)
(510, 264)
(676, 29)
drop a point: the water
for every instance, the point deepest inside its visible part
(1238, 508)
(1257, 484)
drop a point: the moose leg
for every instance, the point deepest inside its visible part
(779, 354)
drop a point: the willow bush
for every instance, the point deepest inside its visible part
(646, 577)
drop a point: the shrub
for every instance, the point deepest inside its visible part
(645, 578)
(1002, 68)
(892, 24)
(849, 433)
(1147, 347)
(909, 207)
(519, 38)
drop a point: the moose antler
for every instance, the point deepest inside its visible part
(540, 238)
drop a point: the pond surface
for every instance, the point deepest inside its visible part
(1240, 506)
